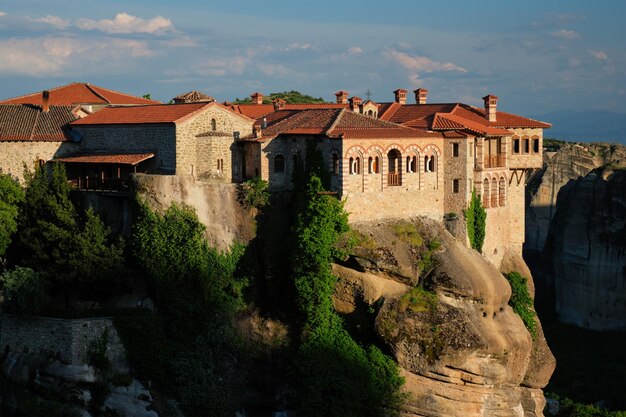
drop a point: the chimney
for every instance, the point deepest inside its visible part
(257, 131)
(279, 104)
(355, 103)
(421, 94)
(264, 124)
(491, 103)
(342, 97)
(400, 94)
(257, 98)
(45, 95)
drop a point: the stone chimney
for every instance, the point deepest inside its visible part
(258, 133)
(279, 104)
(257, 98)
(342, 97)
(355, 104)
(421, 94)
(400, 94)
(491, 104)
(45, 95)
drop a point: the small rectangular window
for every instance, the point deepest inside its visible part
(536, 145)
(455, 149)
(455, 186)
(526, 146)
(515, 145)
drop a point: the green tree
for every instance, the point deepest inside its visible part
(522, 302)
(74, 253)
(291, 97)
(11, 196)
(336, 375)
(476, 217)
(23, 290)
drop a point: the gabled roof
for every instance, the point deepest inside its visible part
(106, 158)
(257, 110)
(151, 114)
(79, 93)
(472, 118)
(25, 122)
(335, 123)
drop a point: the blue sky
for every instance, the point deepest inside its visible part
(537, 56)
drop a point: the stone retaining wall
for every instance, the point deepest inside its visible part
(68, 340)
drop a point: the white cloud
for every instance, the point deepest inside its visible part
(421, 63)
(599, 55)
(2, 14)
(354, 50)
(295, 46)
(125, 23)
(55, 21)
(566, 34)
(272, 70)
(58, 55)
(221, 66)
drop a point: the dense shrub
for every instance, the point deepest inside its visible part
(569, 408)
(476, 218)
(336, 376)
(254, 193)
(11, 196)
(23, 290)
(522, 302)
(74, 252)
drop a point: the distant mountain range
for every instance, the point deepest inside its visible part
(585, 125)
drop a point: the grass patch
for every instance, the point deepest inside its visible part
(418, 300)
(408, 233)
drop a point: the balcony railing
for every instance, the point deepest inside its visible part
(393, 179)
(99, 184)
(495, 161)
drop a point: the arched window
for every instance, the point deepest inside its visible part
(430, 163)
(394, 162)
(502, 191)
(370, 113)
(413, 164)
(279, 163)
(408, 164)
(494, 193)
(213, 124)
(370, 165)
(486, 193)
(376, 165)
(335, 164)
(355, 165)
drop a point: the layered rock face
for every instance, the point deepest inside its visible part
(587, 246)
(574, 234)
(463, 350)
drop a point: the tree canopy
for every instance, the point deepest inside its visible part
(11, 195)
(291, 97)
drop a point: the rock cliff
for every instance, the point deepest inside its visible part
(575, 234)
(463, 350)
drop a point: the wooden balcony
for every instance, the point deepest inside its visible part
(393, 179)
(495, 161)
(99, 184)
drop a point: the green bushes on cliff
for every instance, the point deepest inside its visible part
(522, 302)
(476, 218)
(11, 196)
(336, 376)
(23, 290)
(74, 251)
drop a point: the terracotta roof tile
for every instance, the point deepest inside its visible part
(24, 122)
(159, 113)
(193, 97)
(79, 93)
(102, 158)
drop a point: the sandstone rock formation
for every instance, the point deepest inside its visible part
(574, 234)
(465, 354)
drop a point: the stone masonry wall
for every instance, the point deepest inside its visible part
(198, 155)
(524, 159)
(458, 168)
(68, 340)
(158, 138)
(13, 155)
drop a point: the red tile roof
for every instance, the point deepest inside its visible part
(152, 114)
(24, 122)
(450, 121)
(79, 93)
(255, 111)
(102, 158)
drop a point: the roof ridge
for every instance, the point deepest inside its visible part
(339, 116)
(90, 88)
(32, 132)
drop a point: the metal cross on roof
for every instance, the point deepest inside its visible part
(368, 94)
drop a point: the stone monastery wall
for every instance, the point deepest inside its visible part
(14, 155)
